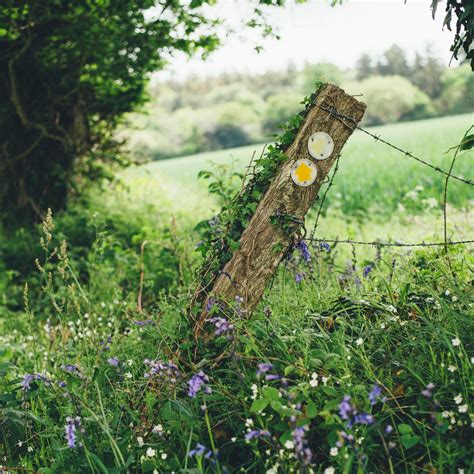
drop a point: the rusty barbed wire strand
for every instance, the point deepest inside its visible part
(343, 118)
(389, 244)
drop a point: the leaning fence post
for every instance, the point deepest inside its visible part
(329, 122)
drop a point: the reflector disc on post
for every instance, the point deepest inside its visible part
(320, 145)
(303, 172)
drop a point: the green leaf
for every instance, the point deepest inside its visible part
(311, 410)
(330, 391)
(467, 143)
(404, 428)
(271, 393)
(259, 404)
(408, 440)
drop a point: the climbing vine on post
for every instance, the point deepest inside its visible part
(248, 240)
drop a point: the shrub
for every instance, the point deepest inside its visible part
(279, 108)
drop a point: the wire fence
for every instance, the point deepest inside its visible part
(351, 123)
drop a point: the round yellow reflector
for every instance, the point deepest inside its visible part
(303, 172)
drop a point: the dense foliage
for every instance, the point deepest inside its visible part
(69, 70)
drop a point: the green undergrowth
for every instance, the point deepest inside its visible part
(365, 365)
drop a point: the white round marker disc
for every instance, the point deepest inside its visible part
(320, 145)
(303, 172)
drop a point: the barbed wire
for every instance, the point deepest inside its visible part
(377, 243)
(342, 117)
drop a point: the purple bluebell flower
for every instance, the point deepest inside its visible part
(270, 377)
(223, 327)
(427, 392)
(200, 450)
(256, 434)
(210, 304)
(304, 251)
(113, 361)
(62, 384)
(363, 419)
(345, 408)
(374, 394)
(388, 429)
(264, 367)
(367, 269)
(28, 378)
(197, 383)
(166, 372)
(70, 430)
(302, 450)
(325, 246)
(71, 368)
(299, 277)
(143, 323)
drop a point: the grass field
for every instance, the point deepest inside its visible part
(362, 363)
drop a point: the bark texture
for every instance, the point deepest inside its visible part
(263, 244)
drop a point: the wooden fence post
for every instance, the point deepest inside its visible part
(292, 192)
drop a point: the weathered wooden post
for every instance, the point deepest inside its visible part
(316, 146)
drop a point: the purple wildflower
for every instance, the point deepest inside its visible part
(270, 377)
(210, 304)
(71, 368)
(263, 368)
(200, 450)
(223, 327)
(304, 251)
(367, 269)
(143, 323)
(164, 371)
(345, 408)
(70, 430)
(28, 378)
(299, 277)
(113, 361)
(428, 389)
(256, 434)
(362, 419)
(325, 246)
(62, 384)
(302, 450)
(197, 383)
(388, 429)
(374, 394)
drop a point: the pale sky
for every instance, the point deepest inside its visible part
(315, 32)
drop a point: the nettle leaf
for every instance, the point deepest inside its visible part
(259, 404)
(408, 440)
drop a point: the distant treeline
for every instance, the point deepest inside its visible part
(202, 114)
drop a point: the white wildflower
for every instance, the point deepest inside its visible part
(359, 341)
(140, 441)
(452, 368)
(289, 444)
(333, 451)
(150, 452)
(458, 399)
(462, 408)
(329, 470)
(164, 456)
(456, 341)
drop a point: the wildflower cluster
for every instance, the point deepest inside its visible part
(197, 383)
(166, 372)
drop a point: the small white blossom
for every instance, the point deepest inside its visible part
(150, 452)
(452, 368)
(30, 449)
(359, 341)
(289, 444)
(458, 399)
(462, 408)
(157, 429)
(329, 470)
(325, 380)
(456, 341)
(333, 451)
(164, 456)
(249, 422)
(140, 441)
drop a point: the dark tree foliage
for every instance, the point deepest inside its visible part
(463, 13)
(69, 69)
